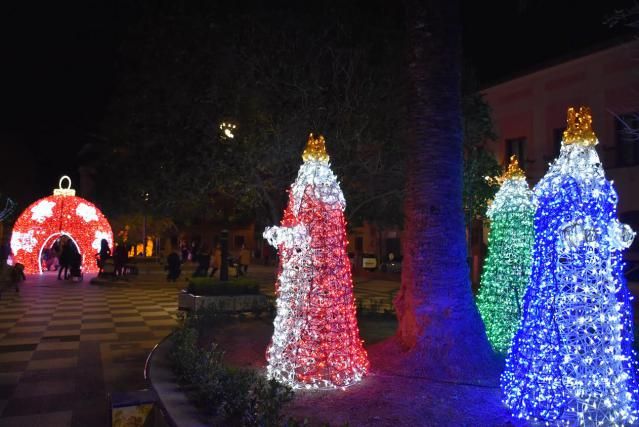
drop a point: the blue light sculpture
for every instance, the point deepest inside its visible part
(571, 361)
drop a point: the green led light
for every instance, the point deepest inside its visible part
(507, 267)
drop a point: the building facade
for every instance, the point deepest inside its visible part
(530, 116)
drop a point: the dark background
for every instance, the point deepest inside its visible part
(541, 31)
(58, 66)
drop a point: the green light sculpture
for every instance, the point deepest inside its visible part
(508, 265)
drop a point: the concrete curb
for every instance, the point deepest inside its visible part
(175, 405)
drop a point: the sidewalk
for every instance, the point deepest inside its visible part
(65, 345)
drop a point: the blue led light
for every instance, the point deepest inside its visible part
(571, 360)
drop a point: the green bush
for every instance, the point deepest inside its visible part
(212, 286)
(236, 397)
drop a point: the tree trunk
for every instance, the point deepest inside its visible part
(439, 324)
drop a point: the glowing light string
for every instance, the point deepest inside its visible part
(571, 361)
(9, 207)
(507, 267)
(60, 214)
(316, 341)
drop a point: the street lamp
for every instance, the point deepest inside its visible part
(224, 255)
(227, 130)
(145, 197)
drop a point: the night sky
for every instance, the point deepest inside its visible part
(59, 71)
(542, 30)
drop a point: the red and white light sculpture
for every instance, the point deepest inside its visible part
(316, 341)
(64, 213)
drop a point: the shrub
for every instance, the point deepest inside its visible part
(211, 286)
(237, 397)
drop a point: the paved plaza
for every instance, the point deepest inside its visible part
(64, 346)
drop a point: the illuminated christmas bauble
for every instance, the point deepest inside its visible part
(47, 219)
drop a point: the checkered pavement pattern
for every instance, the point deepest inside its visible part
(64, 346)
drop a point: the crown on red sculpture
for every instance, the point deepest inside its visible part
(315, 149)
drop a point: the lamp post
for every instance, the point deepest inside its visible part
(227, 130)
(145, 196)
(224, 256)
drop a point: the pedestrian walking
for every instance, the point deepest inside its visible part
(243, 261)
(105, 252)
(120, 259)
(203, 262)
(173, 265)
(217, 260)
(65, 257)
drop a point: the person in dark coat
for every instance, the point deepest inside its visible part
(65, 258)
(173, 264)
(203, 263)
(17, 274)
(75, 262)
(105, 252)
(120, 259)
(185, 252)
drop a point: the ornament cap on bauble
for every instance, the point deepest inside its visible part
(60, 191)
(579, 128)
(315, 149)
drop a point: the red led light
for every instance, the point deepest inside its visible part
(50, 217)
(316, 342)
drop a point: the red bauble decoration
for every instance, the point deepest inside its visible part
(50, 217)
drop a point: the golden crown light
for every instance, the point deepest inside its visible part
(315, 149)
(512, 172)
(579, 128)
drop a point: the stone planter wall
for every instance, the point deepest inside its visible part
(223, 304)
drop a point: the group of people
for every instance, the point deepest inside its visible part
(69, 258)
(202, 257)
(119, 258)
(64, 257)
(206, 261)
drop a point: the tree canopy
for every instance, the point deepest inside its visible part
(277, 71)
